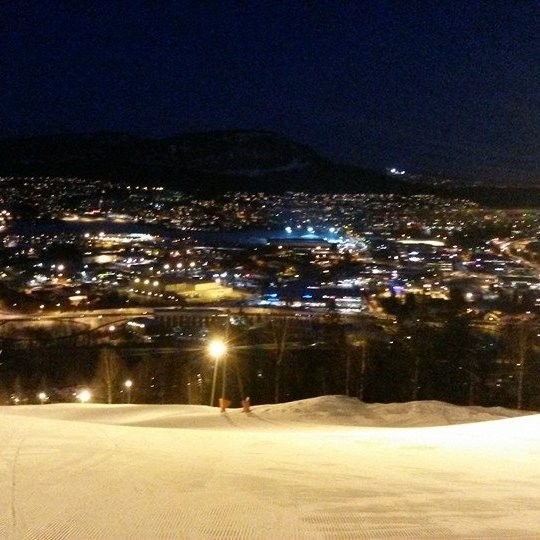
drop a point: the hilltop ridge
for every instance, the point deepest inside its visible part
(213, 161)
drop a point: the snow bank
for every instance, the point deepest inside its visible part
(324, 410)
(343, 410)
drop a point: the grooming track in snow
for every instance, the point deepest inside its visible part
(329, 467)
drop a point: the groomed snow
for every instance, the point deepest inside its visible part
(329, 467)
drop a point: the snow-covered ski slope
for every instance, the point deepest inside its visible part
(329, 467)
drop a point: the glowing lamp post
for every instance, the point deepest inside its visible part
(217, 349)
(128, 384)
(43, 397)
(84, 396)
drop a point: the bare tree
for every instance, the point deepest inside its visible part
(108, 372)
(280, 329)
(17, 395)
(523, 330)
(518, 330)
(356, 366)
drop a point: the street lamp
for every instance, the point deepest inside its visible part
(128, 384)
(84, 396)
(217, 349)
(43, 397)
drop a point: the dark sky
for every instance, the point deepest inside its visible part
(424, 85)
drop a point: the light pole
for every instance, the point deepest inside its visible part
(128, 384)
(43, 397)
(217, 349)
(84, 396)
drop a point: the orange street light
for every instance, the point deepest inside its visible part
(217, 349)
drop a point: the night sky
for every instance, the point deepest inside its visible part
(443, 86)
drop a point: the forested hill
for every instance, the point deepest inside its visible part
(195, 162)
(218, 161)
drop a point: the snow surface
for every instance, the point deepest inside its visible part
(329, 467)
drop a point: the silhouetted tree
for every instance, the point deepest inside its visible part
(453, 361)
(279, 327)
(109, 370)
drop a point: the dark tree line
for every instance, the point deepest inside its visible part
(450, 359)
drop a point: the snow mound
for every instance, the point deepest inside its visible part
(344, 410)
(325, 410)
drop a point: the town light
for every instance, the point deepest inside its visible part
(43, 397)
